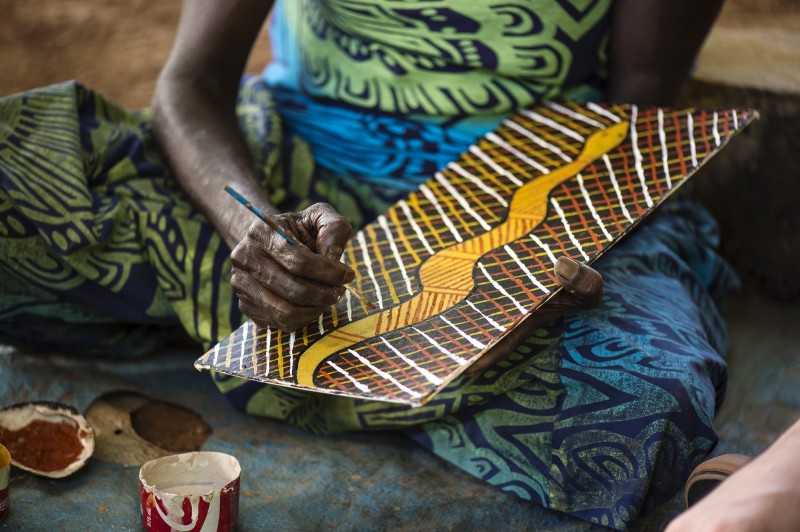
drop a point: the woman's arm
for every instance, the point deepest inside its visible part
(653, 45)
(194, 116)
(194, 121)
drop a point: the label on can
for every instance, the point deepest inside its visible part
(3, 503)
(198, 492)
(5, 468)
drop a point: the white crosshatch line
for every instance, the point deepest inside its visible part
(249, 330)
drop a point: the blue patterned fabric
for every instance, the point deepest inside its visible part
(396, 152)
(388, 93)
(601, 416)
(609, 419)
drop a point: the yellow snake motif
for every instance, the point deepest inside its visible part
(446, 277)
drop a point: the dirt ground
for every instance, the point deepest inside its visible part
(114, 46)
(119, 46)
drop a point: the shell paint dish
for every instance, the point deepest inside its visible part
(47, 439)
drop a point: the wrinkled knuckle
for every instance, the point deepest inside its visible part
(255, 231)
(246, 308)
(341, 225)
(239, 255)
(291, 292)
(323, 207)
(293, 263)
(303, 295)
(260, 271)
(237, 279)
(282, 315)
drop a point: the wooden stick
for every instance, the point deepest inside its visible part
(278, 228)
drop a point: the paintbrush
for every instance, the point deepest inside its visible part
(278, 228)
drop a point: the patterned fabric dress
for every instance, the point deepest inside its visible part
(601, 416)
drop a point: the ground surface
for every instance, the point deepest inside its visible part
(115, 46)
(294, 480)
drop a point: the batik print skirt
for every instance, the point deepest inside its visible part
(602, 415)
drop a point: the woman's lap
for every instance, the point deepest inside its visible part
(593, 416)
(638, 379)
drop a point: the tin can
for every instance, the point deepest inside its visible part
(5, 469)
(190, 492)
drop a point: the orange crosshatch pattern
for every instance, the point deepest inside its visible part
(463, 260)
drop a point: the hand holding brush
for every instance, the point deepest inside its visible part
(289, 236)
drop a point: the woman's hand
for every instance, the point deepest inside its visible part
(283, 285)
(582, 289)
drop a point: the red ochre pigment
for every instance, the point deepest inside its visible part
(43, 446)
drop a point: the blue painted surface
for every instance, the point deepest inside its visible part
(291, 480)
(297, 481)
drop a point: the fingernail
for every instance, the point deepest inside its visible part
(567, 268)
(348, 276)
(334, 252)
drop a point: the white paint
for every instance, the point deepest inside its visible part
(537, 140)
(503, 144)
(360, 385)
(487, 318)
(362, 243)
(478, 183)
(525, 269)
(417, 230)
(470, 339)
(291, 354)
(616, 188)
(589, 203)
(561, 215)
(460, 199)
(268, 347)
(395, 252)
(435, 344)
(494, 166)
(349, 305)
(662, 137)
(385, 375)
(244, 339)
(190, 476)
(572, 114)
(544, 246)
(690, 127)
(604, 112)
(553, 124)
(433, 379)
(431, 198)
(502, 290)
(637, 156)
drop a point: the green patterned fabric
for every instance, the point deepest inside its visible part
(439, 57)
(100, 250)
(601, 416)
(90, 221)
